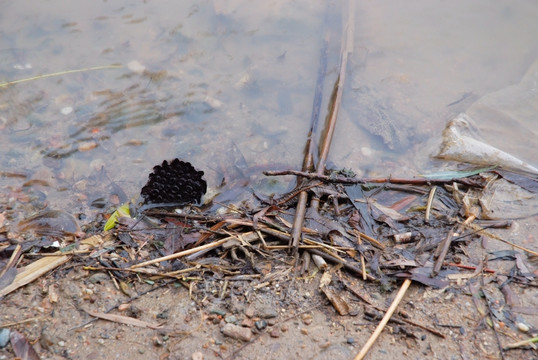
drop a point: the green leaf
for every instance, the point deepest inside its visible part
(113, 219)
(447, 175)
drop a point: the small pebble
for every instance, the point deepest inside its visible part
(307, 319)
(267, 313)
(87, 145)
(522, 327)
(247, 323)
(66, 110)
(274, 333)
(249, 312)
(214, 103)
(260, 324)
(197, 355)
(124, 307)
(304, 331)
(230, 319)
(237, 332)
(4, 337)
(366, 151)
(218, 312)
(87, 291)
(136, 67)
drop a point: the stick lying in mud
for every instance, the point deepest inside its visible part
(384, 321)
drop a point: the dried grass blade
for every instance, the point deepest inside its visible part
(43, 76)
(189, 251)
(124, 320)
(493, 236)
(33, 271)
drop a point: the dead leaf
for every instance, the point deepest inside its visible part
(126, 289)
(336, 300)
(21, 347)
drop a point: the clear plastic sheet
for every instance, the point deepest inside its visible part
(500, 129)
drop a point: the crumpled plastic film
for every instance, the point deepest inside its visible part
(500, 129)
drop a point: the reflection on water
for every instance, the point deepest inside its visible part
(216, 78)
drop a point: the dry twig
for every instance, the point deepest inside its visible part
(336, 98)
(384, 321)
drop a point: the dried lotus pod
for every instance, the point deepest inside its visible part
(177, 182)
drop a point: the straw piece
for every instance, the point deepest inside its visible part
(189, 251)
(33, 271)
(384, 321)
(42, 76)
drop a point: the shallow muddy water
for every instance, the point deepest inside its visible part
(230, 86)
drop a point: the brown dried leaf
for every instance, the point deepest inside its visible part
(21, 347)
(126, 289)
(336, 300)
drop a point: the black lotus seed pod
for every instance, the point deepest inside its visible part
(178, 182)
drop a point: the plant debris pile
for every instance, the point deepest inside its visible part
(377, 230)
(381, 230)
